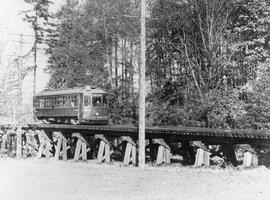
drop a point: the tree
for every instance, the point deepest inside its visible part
(95, 43)
(77, 56)
(247, 38)
(258, 102)
(36, 17)
(188, 40)
(201, 55)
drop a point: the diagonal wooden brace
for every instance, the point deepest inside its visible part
(45, 144)
(31, 146)
(202, 155)
(250, 157)
(81, 147)
(130, 152)
(4, 143)
(164, 151)
(104, 152)
(62, 143)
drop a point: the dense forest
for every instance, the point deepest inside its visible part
(207, 60)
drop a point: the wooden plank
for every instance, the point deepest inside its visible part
(130, 152)
(127, 154)
(134, 155)
(87, 150)
(247, 159)
(255, 160)
(129, 140)
(64, 149)
(100, 151)
(202, 158)
(4, 143)
(164, 151)
(101, 137)
(77, 150)
(48, 147)
(45, 136)
(84, 152)
(107, 153)
(161, 142)
(58, 149)
(206, 161)
(167, 155)
(160, 156)
(58, 134)
(199, 157)
(152, 151)
(81, 152)
(79, 136)
(250, 159)
(40, 150)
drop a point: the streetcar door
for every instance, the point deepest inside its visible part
(87, 104)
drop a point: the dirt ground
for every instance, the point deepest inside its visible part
(31, 179)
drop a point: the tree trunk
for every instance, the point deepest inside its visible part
(116, 59)
(111, 64)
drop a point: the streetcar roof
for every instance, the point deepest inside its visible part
(70, 91)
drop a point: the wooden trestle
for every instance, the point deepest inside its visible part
(45, 144)
(59, 141)
(104, 151)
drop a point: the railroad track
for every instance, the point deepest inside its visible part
(173, 133)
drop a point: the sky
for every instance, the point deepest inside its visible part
(11, 26)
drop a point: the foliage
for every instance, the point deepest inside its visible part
(258, 104)
(207, 60)
(248, 36)
(38, 16)
(217, 109)
(123, 110)
(81, 43)
(77, 56)
(188, 41)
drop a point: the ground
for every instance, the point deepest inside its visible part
(32, 179)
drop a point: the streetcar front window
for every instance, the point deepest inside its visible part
(105, 101)
(96, 101)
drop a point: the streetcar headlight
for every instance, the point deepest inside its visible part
(97, 114)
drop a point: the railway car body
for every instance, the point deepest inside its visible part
(72, 106)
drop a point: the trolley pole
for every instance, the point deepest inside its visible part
(35, 63)
(19, 117)
(142, 90)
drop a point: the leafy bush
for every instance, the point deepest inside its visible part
(217, 109)
(123, 110)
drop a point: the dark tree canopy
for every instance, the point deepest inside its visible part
(206, 59)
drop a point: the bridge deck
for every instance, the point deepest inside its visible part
(171, 133)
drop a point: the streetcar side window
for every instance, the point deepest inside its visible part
(37, 102)
(47, 102)
(41, 103)
(73, 101)
(57, 102)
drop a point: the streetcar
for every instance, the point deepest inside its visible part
(85, 105)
